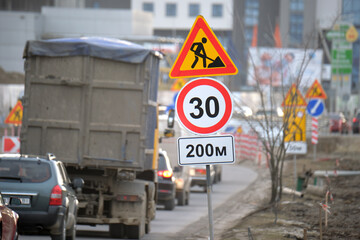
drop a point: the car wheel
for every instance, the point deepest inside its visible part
(182, 198)
(116, 230)
(71, 233)
(62, 235)
(170, 204)
(187, 198)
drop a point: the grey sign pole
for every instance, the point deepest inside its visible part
(210, 213)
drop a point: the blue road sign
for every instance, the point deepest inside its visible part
(315, 107)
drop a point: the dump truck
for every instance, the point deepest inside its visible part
(93, 103)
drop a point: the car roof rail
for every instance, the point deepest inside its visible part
(51, 156)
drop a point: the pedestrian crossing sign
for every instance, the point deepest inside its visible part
(316, 91)
(202, 54)
(15, 115)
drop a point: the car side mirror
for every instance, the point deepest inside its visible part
(78, 184)
(171, 118)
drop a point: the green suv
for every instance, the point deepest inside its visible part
(40, 191)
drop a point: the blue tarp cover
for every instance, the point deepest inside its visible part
(108, 48)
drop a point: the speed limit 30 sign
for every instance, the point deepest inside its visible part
(204, 106)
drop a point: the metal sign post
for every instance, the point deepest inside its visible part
(205, 151)
(210, 213)
(204, 105)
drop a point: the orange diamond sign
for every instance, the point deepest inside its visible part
(202, 54)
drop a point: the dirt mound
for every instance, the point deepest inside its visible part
(298, 218)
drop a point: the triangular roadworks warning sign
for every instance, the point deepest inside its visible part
(202, 54)
(294, 98)
(16, 114)
(316, 91)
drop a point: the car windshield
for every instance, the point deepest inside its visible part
(24, 171)
(162, 163)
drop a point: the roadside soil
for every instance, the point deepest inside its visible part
(299, 217)
(246, 215)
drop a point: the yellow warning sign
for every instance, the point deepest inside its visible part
(15, 115)
(294, 98)
(202, 54)
(316, 91)
(178, 84)
(295, 125)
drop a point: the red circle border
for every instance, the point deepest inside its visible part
(195, 83)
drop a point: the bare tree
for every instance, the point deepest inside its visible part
(272, 84)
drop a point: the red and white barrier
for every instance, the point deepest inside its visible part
(314, 130)
(249, 147)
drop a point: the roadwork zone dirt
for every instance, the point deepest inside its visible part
(299, 217)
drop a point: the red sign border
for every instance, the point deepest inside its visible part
(195, 83)
(316, 84)
(12, 112)
(230, 68)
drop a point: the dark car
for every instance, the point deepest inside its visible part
(198, 176)
(183, 184)
(356, 123)
(166, 182)
(40, 191)
(8, 221)
(338, 123)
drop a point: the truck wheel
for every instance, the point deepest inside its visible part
(116, 230)
(182, 198)
(137, 231)
(170, 204)
(147, 228)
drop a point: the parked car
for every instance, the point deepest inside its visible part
(166, 182)
(40, 191)
(198, 175)
(183, 184)
(8, 222)
(338, 123)
(356, 123)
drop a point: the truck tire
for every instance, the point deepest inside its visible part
(137, 231)
(116, 230)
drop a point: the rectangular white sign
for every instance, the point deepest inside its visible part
(296, 147)
(206, 150)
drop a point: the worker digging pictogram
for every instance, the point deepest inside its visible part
(199, 51)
